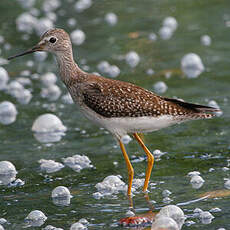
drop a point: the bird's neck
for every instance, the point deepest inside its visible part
(68, 68)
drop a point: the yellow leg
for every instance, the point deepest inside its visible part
(129, 167)
(150, 161)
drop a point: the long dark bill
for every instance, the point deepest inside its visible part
(32, 50)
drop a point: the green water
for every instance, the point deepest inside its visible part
(198, 145)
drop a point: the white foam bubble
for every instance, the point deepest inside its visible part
(6, 167)
(126, 139)
(26, 22)
(3, 221)
(4, 78)
(174, 212)
(137, 183)
(67, 99)
(48, 5)
(193, 173)
(8, 113)
(77, 37)
(40, 56)
(191, 65)
(150, 71)
(43, 25)
(216, 209)
(24, 97)
(129, 213)
(82, 5)
(164, 223)
(7, 172)
(227, 184)
(113, 71)
(27, 4)
(206, 40)
(103, 67)
(60, 191)
(1, 227)
(50, 227)
(78, 226)
(171, 23)
(214, 104)
(50, 166)
(111, 18)
(48, 123)
(77, 162)
(24, 81)
(132, 59)
(71, 22)
(14, 88)
(48, 79)
(197, 181)
(35, 218)
(61, 196)
(110, 185)
(158, 153)
(152, 37)
(206, 217)
(52, 92)
(83, 221)
(166, 193)
(160, 87)
(165, 33)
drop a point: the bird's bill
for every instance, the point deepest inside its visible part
(38, 47)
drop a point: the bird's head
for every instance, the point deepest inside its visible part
(54, 40)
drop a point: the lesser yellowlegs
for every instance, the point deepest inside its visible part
(118, 106)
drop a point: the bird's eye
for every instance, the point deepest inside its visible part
(52, 40)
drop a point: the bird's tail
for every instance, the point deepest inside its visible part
(197, 111)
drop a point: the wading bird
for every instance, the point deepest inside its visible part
(120, 107)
